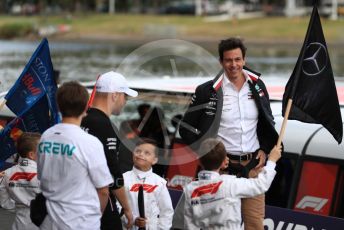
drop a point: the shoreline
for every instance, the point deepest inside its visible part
(96, 39)
(139, 29)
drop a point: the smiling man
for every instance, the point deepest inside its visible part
(234, 107)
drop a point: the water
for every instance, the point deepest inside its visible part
(165, 58)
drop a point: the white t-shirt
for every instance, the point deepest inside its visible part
(71, 164)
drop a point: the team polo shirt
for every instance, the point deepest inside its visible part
(71, 164)
(239, 119)
(98, 124)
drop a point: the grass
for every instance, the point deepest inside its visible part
(104, 26)
(16, 29)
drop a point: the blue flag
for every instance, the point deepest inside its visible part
(36, 81)
(32, 99)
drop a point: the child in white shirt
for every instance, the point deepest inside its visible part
(20, 182)
(157, 201)
(214, 200)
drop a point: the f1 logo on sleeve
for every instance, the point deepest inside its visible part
(23, 176)
(205, 189)
(312, 202)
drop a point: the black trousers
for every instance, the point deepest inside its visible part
(111, 219)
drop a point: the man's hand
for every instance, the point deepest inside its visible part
(129, 215)
(140, 222)
(262, 157)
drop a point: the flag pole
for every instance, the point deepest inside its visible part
(284, 123)
(90, 101)
(2, 104)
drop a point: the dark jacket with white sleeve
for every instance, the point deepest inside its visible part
(202, 118)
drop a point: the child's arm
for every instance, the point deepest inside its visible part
(166, 209)
(275, 154)
(243, 187)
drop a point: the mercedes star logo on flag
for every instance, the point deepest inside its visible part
(315, 59)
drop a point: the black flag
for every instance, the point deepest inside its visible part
(141, 204)
(311, 85)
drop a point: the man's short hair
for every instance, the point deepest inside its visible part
(72, 99)
(27, 142)
(231, 44)
(146, 140)
(214, 153)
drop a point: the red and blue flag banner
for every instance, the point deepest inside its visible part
(32, 99)
(9, 136)
(36, 81)
(311, 89)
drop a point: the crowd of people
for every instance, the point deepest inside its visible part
(77, 175)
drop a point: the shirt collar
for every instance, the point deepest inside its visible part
(226, 81)
(208, 175)
(27, 162)
(247, 77)
(142, 174)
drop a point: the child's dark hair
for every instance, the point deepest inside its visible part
(214, 153)
(231, 44)
(27, 142)
(145, 140)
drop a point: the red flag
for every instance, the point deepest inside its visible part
(90, 101)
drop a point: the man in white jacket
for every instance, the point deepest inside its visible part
(20, 182)
(213, 201)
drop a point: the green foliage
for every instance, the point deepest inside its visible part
(14, 30)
